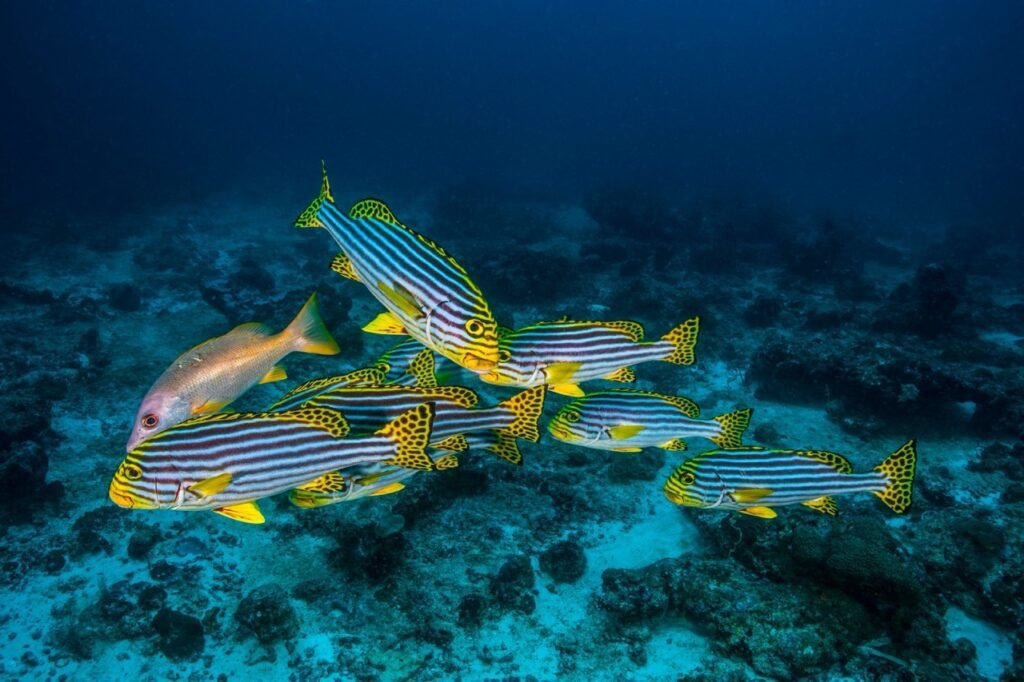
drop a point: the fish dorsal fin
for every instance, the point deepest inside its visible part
(342, 265)
(456, 443)
(327, 484)
(625, 431)
(246, 512)
(410, 432)
(210, 486)
(253, 329)
(625, 375)
(276, 373)
(633, 330)
(422, 369)
(373, 208)
(330, 421)
(401, 298)
(750, 495)
(309, 217)
(685, 405)
(674, 445)
(826, 505)
(836, 461)
(460, 395)
(385, 323)
(759, 512)
(367, 376)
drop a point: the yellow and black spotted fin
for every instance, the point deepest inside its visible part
(674, 445)
(342, 265)
(309, 217)
(373, 208)
(624, 375)
(634, 331)
(422, 369)
(899, 468)
(321, 417)
(456, 443)
(506, 448)
(826, 505)
(410, 432)
(526, 406)
(446, 462)
(734, 424)
(833, 459)
(684, 342)
(327, 484)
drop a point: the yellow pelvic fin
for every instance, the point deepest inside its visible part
(571, 390)
(401, 298)
(210, 486)
(276, 373)
(385, 323)
(627, 449)
(342, 265)
(246, 512)
(826, 505)
(329, 483)
(561, 372)
(898, 468)
(624, 374)
(734, 424)
(310, 500)
(759, 512)
(624, 431)
(388, 489)
(526, 406)
(309, 218)
(309, 333)
(750, 495)
(456, 443)
(674, 445)
(684, 342)
(410, 432)
(373, 208)
(422, 369)
(506, 448)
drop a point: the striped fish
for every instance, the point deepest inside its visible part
(225, 462)
(366, 409)
(427, 294)
(375, 480)
(409, 364)
(566, 353)
(368, 376)
(754, 480)
(629, 420)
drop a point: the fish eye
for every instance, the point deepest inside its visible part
(150, 421)
(475, 327)
(504, 355)
(132, 472)
(687, 478)
(572, 417)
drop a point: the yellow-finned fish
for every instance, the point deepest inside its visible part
(755, 480)
(211, 375)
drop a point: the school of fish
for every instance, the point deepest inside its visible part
(367, 431)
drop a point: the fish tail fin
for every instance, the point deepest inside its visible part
(526, 406)
(308, 333)
(308, 218)
(410, 433)
(734, 424)
(898, 468)
(684, 342)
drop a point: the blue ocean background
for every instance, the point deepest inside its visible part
(835, 188)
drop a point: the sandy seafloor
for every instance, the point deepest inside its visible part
(424, 584)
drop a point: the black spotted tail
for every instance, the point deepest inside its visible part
(898, 468)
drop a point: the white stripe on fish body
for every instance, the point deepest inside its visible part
(450, 418)
(662, 421)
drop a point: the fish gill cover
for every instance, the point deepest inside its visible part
(814, 207)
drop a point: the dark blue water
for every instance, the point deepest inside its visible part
(834, 188)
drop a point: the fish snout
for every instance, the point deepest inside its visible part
(480, 363)
(127, 499)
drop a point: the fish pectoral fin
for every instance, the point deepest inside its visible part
(561, 372)
(210, 486)
(674, 445)
(209, 407)
(826, 505)
(749, 495)
(402, 298)
(276, 373)
(388, 489)
(759, 512)
(624, 431)
(571, 390)
(246, 512)
(385, 323)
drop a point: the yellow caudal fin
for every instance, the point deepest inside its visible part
(308, 333)
(734, 424)
(385, 323)
(526, 406)
(246, 512)
(422, 369)
(684, 342)
(342, 265)
(898, 468)
(410, 432)
(310, 217)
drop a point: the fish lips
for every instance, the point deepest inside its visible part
(127, 499)
(477, 363)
